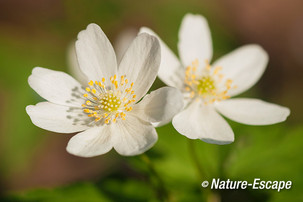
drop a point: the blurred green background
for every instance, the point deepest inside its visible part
(34, 164)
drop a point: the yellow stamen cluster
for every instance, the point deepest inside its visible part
(109, 102)
(206, 86)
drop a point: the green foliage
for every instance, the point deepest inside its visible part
(266, 152)
(74, 193)
(127, 189)
(269, 153)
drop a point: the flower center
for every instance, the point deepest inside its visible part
(109, 102)
(207, 85)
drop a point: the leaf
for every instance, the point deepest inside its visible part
(76, 192)
(269, 153)
(126, 189)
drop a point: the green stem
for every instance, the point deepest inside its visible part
(161, 190)
(208, 195)
(195, 159)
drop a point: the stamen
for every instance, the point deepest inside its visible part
(109, 103)
(91, 83)
(205, 86)
(217, 69)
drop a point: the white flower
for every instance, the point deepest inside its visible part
(107, 109)
(207, 89)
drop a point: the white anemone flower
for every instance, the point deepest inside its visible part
(207, 88)
(107, 111)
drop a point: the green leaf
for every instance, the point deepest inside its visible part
(126, 189)
(73, 193)
(269, 153)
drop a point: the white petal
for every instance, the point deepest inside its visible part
(56, 87)
(252, 111)
(141, 63)
(199, 121)
(73, 66)
(123, 41)
(244, 66)
(92, 142)
(160, 105)
(95, 54)
(194, 40)
(171, 71)
(57, 118)
(133, 136)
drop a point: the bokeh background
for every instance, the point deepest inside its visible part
(34, 165)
